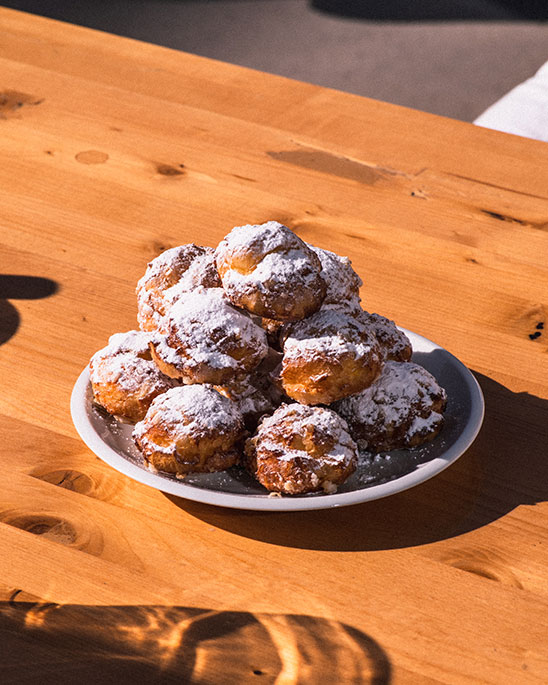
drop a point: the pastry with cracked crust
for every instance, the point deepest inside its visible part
(269, 271)
(328, 356)
(403, 408)
(342, 290)
(174, 272)
(191, 429)
(394, 344)
(204, 339)
(124, 379)
(301, 449)
(343, 283)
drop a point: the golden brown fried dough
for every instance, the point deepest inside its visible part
(269, 271)
(343, 283)
(204, 339)
(124, 379)
(174, 272)
(394, 344)
(189, 429)
(301, 449)
(403, 408)
(328, 356)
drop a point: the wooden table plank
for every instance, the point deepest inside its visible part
(305, 109)
(120, 150)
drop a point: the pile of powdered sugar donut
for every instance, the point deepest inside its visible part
(259, 354)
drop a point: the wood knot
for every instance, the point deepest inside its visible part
(531, 322)
(170, 170)
(483, 563)
(12, 101)
(47, 526)
(92, 484)
(68, 479)
(80, 533)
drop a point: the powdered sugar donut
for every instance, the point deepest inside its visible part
(328, 356)
(394, 344)
(403, 408)
(190, 428)
(269, 271)
(175, 271)
(343, 283)
(204, 339)
(124, 379)
(301, 449)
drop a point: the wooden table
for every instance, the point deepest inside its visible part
(113, 150)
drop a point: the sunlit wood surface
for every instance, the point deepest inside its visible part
(113, 150)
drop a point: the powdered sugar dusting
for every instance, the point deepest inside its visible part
(166, 353)
(270, 271)
(329, 332)
(204, 322)
(190, 412)
(274, 272)
(130, 341)
(394, 343)
(166, 268)
(343, 283)
(402, 396)
(148, 317)
(126, 362)
(251, 400)
(201, 272)
(259, 238)
(172, 273)
(423, 424)
(298, 420)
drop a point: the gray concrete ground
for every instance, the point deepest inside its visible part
(454, 67)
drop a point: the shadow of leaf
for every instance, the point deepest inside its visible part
(14, 287)
(9, 321)
(159, 644)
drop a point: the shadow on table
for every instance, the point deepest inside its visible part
(506, 466)
(157, 644)
(114, 15)
(436, 10)
(20, 288)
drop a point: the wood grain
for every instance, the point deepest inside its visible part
(114, 150)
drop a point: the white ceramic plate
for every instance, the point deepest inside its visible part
(376, 476)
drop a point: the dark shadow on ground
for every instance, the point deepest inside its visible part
(114, 15)
(14, 287)
(49, 643)
(436, 10)
(506, 466)
(9, 321)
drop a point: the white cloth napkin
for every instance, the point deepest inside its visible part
(523, 111)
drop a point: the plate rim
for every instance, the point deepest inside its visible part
(259, 502)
